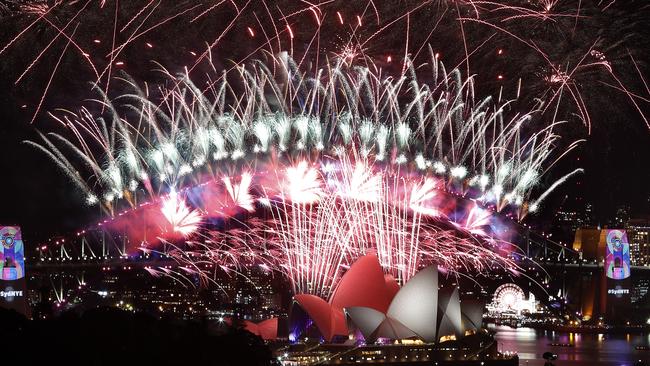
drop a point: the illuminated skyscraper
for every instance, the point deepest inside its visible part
(622, 216)
(639, 235)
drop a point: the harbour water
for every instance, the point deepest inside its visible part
(587, 350)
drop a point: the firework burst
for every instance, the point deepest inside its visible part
(182, 219)
(334, 166)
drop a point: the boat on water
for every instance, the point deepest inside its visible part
(561, 345)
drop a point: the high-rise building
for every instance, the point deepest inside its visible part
(640, 288)
(639, 235)
(622, 216)
(589, 215)
(570, 217)
(610, 292)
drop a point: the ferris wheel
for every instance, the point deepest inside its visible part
(510, 298)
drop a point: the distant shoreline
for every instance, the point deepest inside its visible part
(588, 330)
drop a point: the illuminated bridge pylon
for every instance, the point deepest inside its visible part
(90, 246)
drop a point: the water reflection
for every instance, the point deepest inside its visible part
(588, 349)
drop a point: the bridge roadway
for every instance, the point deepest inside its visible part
(58, 263)
(587, 265)
(88, 264)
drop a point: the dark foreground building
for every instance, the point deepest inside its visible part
(109, 336)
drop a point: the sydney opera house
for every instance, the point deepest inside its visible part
(371, 319)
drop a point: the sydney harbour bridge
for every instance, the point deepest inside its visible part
(554, 273)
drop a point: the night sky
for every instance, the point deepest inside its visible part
(38, 197)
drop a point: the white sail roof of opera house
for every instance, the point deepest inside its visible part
(364, 285)
(378, 310)
(419, 309)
